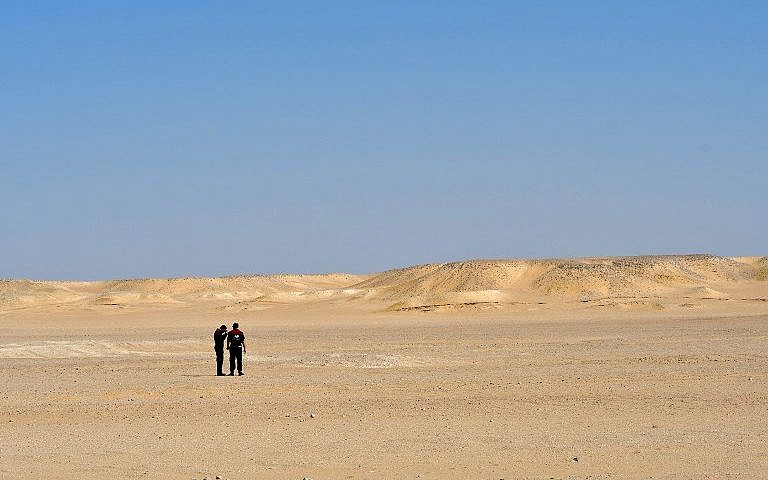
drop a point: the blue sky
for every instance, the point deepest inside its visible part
(203, 138)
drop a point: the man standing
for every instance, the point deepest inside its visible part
(236, 347)
(219, 335)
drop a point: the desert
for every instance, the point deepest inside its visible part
(615, 367)
(383, 240)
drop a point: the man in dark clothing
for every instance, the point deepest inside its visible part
(236, 347)
(219, 335)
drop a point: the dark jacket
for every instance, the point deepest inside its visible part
(235, 338)
(219, 337)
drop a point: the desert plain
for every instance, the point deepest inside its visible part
(600, 368)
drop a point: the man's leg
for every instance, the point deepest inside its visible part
(240, 361)
(219, 361)
(232, 356)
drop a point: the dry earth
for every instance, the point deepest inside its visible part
(639, 367)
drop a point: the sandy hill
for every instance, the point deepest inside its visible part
(28, 293)
(19, 293)
(627, 281)
(496, 282)
(591, 276)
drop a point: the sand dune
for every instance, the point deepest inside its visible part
(486, 282)
(31, 293)
(480, 284)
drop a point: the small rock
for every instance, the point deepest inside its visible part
(312, 415)
(575, 459)
(218, 477)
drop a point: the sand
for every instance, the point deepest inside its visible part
(633, 367)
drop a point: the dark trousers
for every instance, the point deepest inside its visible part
(235, 356)
(219, 360)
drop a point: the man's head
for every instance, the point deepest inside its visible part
(223, 327)
(235, 325)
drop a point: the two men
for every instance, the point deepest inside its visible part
(235, 339)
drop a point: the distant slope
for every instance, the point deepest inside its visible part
(503, 281)
(20, 293)
(629, 281)
(27, 293)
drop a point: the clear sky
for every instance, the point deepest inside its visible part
(145, 138)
